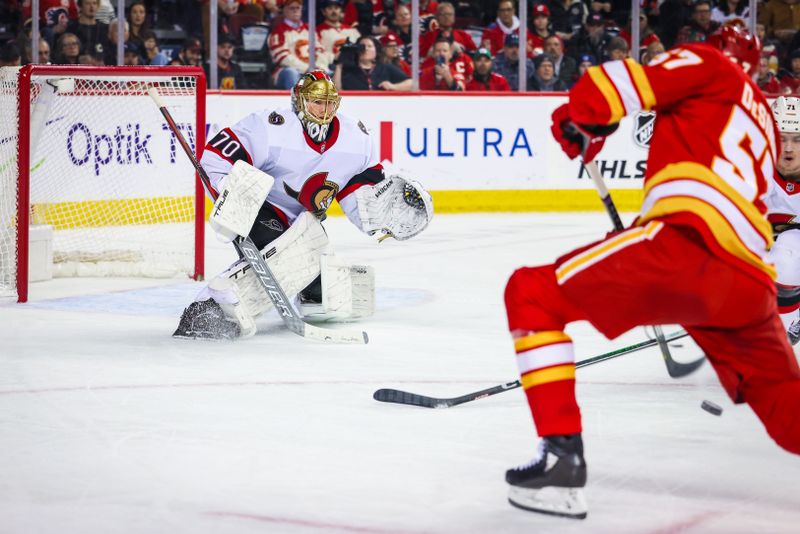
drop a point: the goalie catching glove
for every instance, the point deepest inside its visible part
(397, 207)
(579, 139)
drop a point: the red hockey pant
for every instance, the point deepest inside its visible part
(664, 274)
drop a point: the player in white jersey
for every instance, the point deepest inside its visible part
(783, 205)
(277, 172)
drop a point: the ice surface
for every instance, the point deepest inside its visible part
(108, 425)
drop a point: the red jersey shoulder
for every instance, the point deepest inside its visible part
(706, 57)
(697, 70)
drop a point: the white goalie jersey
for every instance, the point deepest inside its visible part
(308, 175)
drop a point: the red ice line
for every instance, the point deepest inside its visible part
(306, 523)
(686, 524)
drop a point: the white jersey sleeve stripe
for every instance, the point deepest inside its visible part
(618, 73)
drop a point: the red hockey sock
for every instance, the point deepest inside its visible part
(554, 408)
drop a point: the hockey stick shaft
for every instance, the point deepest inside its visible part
(674, 369)
(249, 251)
(404, 397)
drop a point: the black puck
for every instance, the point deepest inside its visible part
(711, 408)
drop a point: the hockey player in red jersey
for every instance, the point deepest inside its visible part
(695, 255)
(277, 172)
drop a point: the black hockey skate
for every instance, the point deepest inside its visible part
(551, 483)
(206, 320)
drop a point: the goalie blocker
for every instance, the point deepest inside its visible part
(228, 306)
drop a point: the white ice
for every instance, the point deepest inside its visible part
(108, 425)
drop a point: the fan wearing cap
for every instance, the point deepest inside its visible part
(541, 30)
(783, 206)
(132, 55)
(696, 255)
(288, 45)
(591, 39)
(332, 33)
(483, 79)
(506, 23)
(191, 53)
(507, 63)
(584, 63)
(229, 73)
(392, 52)
(544, 77)
(277, 172)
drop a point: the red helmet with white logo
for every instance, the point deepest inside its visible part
(739, 45)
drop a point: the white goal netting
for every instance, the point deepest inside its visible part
(105, 172)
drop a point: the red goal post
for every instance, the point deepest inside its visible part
(98, 173)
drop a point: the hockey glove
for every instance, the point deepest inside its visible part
(396, 207)
(579, 139)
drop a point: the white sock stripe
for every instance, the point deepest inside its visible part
(546, 356)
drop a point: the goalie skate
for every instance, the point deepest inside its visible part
(205, 319)
(551, 483)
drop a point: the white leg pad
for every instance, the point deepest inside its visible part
(294, 259)
(348, 291)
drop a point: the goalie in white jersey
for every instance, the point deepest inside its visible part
(783, 205)
(277, 172)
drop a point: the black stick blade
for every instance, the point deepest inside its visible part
(403, 397)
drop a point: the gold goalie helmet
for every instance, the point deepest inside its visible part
(315, 101)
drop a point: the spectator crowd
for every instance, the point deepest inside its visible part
(464, 45)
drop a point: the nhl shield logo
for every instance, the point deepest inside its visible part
(643, 131)
(790, 187)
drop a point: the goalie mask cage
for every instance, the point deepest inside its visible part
(86, 152)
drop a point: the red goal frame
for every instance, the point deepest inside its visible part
(23, 158)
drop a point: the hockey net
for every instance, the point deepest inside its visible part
(86, 154)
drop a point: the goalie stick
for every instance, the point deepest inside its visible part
(249, 251)
(674, 369)
(397, 396)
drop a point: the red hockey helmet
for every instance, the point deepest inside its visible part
(739, 45)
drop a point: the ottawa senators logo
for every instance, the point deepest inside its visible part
(316, 195)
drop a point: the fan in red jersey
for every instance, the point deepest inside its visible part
(783, 204)
(483, 79)
(696, 255)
